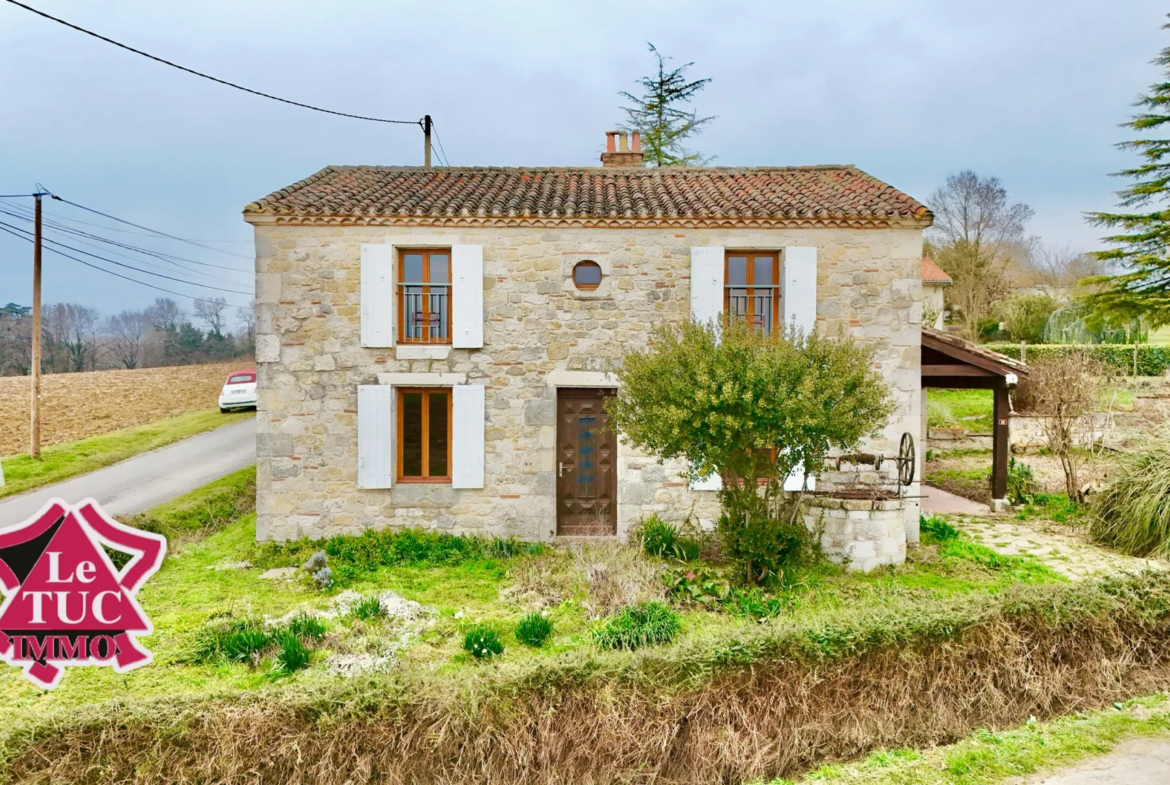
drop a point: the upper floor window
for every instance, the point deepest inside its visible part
(424, 296)
(752, 290)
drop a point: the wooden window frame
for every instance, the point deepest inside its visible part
(401, 283)
(777, 289)
(588, 287)
(426, 432)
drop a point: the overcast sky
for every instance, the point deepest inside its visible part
(1030, 91)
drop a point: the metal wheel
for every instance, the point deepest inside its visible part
(906, 460)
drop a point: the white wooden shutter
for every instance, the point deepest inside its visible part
(467, 297)
(707, 283)
(375, 435)
(377, 295)
(800, 287)
(800, 309)
(467, 426)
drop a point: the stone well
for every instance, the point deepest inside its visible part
(861, 532)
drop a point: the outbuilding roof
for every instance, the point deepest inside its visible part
(932, 273)
(670, 196)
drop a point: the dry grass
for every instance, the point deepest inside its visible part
(655, 719)
(77, 405)
(605, 575)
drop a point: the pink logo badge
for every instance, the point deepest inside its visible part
(65, 601)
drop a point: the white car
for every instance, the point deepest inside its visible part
(238, 391)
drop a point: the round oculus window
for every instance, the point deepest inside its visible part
(587, 275)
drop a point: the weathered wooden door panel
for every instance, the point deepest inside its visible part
(586, 465)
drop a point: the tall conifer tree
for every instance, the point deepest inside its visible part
(658, 115)
(1141, 285)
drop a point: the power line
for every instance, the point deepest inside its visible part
(116, 229)
(127, 266)
(146, 228)
(435, 130)
(162, 256)
(125, 277)
(207, 76)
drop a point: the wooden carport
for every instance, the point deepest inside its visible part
(952, 363)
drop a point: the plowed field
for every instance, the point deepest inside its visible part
(77, 405)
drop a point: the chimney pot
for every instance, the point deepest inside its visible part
(618, 149)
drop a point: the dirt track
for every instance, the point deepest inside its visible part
(77, 405)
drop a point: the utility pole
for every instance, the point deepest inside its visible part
(427, 139)
(34, 448)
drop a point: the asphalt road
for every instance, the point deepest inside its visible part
(151, 478)
(1135, 762)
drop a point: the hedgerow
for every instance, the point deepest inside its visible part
(1152, 360)
(763, 704)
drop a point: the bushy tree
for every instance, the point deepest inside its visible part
(976, 231)
(1142, 229)
(658, 115)
(1025, 316)
(751, 408)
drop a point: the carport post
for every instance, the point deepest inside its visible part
(999, 452)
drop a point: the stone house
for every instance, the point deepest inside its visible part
(934, 283)
(434, 345)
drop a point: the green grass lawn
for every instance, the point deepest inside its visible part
(213, 567)
(62, 461)
(985, 757)
(970, 409)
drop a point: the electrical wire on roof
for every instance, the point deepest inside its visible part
(209, 77)
(28, 235)
(125, 277)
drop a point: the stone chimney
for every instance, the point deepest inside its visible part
(620, 151)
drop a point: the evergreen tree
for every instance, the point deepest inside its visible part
(658, 115)
(1142, 239)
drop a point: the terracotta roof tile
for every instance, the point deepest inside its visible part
(697, 194)
(932, 273)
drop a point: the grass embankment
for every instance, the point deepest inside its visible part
(62, 461)
(986, 758)
(830, 668)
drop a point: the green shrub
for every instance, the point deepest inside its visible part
(1021, 484)
(533, 630)
(367, 608)
(483, 642)
(1133, 513)
(292, 654)
(664, 540)
(306, 626)
(635, 626)
(763, 546)
(937, 528)
(351, 556)
(240, 645)
(1153, 360)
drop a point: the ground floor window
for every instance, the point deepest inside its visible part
(424, 435)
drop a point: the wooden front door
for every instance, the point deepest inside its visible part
(586, 465)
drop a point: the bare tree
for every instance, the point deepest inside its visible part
(126, 335)
(1060, 268)
(1066, 391)
(212, 313)
(976, 232)
(15, 340)
(71, 333)
(246, 319)
(165, 315)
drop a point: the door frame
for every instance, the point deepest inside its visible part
(597, 391)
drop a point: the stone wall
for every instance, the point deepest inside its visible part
(860, 533)
(540, 333)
